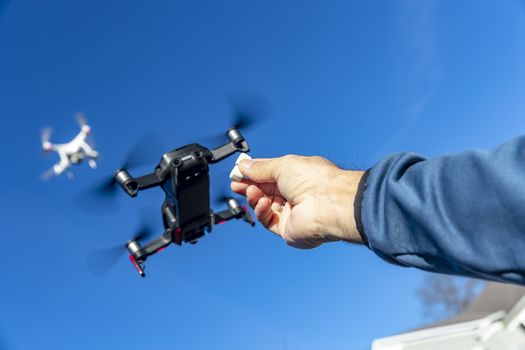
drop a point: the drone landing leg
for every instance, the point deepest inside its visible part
(139, 254)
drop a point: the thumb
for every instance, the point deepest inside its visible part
(260, 170)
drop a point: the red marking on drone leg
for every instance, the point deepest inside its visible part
(220, 222)
(137, 267)
(178, 236)
(160, 249)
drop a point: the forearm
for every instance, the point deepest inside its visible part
(461, 214)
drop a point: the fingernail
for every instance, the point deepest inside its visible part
(246, 163)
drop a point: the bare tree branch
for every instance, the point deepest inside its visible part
(444, 296)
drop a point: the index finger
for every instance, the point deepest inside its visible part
(269, 189)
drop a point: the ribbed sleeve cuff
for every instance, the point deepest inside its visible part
(358, 207)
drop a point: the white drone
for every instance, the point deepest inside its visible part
(73, 152)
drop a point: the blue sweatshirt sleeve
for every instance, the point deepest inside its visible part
(462, 214)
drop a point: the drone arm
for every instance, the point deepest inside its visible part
(156, 245)
(237, 144)
(152, 247)
(233, 213)
(62, 165)
(62, 155)
(148, 181)
(133, 185)
(90, 152)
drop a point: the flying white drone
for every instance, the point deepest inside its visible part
(73, 152)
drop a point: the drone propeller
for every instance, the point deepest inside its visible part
(142, 153)
(101, 261)
(248, 108)
(47, 174)
(45, 135)
(142, 234)
(107, 188)
(246, 112)
(81, 119)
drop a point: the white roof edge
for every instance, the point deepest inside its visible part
(516, 315)
(395, 342)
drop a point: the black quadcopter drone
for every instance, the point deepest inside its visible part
(183, 176)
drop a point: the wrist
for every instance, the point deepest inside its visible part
(340, 223)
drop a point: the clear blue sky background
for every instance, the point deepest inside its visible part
(350, 80)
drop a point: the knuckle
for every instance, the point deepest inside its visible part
(290, 157)
(319, 159)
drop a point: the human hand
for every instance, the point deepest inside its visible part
(305, 200)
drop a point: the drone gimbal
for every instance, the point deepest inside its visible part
(183, 176)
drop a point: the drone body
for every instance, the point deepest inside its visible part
(71, 153)
(183, 176)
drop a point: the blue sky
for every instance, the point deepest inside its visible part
(352, 81)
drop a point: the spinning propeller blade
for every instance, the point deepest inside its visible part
(47, 174)
(107, 188)
(45, 135)
(248, 108)
(101, 261)
(143, 233)
(148, 149)
(81, 119)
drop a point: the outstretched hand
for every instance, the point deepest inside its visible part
(305, 200)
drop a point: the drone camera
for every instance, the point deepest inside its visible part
(128, 183)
